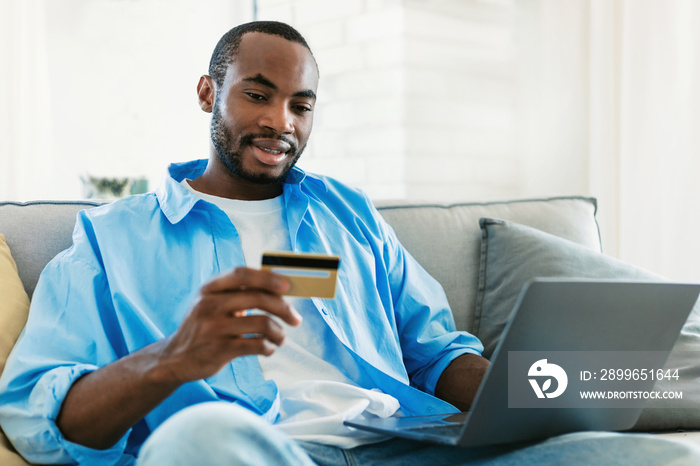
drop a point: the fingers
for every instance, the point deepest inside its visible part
(218, 327)
(261, 346)
(243, 277)
(255, 326)
(246, 288)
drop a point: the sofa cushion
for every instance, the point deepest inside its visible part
(663, 416)
(512, 254)
(14, 305)
(14, 308)
(8, 455)
(446, 239)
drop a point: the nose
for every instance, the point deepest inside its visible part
(278, 118)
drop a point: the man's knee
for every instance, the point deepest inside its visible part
(208, 421)
(218, 432)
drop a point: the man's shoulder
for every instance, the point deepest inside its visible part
(133, 202)
(347, 203)
(328, 187)
(107, 226)
(127, 210)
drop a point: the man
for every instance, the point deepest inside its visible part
(145, 326)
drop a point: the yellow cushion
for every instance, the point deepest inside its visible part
(14, 305)
(14, 308)
(8, 455)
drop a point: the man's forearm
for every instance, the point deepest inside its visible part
(459, 383)
(103, 405)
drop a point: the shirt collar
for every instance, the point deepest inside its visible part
(176, 201)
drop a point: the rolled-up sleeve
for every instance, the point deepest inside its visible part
(66, 337)
(31, 422)
(429, 339)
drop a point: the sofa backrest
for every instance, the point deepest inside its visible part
(36, 231)
(445, 239)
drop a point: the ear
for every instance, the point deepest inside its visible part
(206, 91)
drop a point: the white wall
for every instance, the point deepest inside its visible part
(460, 113)
(111, 89)
(415, 100)
(424, 99)
(416, 96)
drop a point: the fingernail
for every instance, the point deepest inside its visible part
(296, 314)
(283, 284)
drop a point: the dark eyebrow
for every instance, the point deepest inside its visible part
(262, 80)
(308, 93)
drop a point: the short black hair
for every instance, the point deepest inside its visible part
(227, 48)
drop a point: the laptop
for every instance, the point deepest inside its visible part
(564, 337)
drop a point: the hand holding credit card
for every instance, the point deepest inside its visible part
(310, 275)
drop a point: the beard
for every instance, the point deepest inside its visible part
(229, 151)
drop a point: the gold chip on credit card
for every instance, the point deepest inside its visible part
(310, 275)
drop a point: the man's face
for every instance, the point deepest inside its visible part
(263, 112)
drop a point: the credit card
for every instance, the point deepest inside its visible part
(310, 275)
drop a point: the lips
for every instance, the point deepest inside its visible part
(270, 151)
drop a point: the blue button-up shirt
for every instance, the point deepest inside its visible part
(135, 267)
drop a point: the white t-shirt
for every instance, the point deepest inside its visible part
(316, 397)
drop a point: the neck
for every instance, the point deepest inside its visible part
(221, 183)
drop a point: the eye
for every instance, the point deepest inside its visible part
(302, 108)
(255, 96)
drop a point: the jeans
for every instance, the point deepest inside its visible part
(225, 434)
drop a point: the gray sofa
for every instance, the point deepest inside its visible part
(448, 240)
